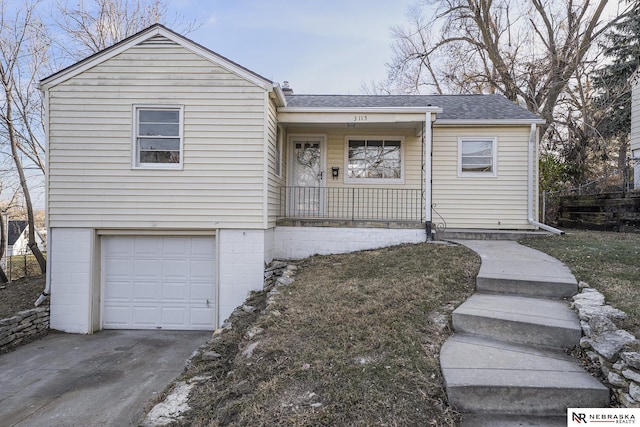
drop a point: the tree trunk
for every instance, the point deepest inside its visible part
(13, 139)
(3, 247)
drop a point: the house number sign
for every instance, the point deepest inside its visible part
(360, 118)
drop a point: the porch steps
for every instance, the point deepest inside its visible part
(487, 376)
(506, 364)
(484, 234)
(517, 319)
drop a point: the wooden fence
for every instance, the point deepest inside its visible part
(608, 211)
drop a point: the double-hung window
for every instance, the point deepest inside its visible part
(374, 160)
(158, 137)
(477, 157)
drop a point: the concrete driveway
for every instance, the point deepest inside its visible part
(104, 379)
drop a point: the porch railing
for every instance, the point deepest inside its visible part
(352, 203)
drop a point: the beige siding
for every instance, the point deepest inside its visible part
(635, 113)
(471, 202)
(275, 182)
(336, 157)
(91, 180)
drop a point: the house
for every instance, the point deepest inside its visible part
(175, 174)
(635, 127)
(18, 238)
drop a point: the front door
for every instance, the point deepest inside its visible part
(306, 194)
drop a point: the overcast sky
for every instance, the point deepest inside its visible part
(319, 46)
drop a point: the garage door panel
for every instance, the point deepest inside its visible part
(158, 282)
(201, 292)
(145, 291)
(145, 315)
(118, 290)
(175, 268)
(175, 291)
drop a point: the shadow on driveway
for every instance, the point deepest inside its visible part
(104, 379)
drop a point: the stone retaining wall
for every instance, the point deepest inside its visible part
(23, 327)
(612, 351)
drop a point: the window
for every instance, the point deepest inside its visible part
(477, 157)
(158, 137)
(374, 160)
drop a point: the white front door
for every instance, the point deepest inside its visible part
(308, 177)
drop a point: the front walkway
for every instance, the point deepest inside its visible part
(506, 363)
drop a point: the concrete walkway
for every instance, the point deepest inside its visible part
(104, 379)
(506, 364)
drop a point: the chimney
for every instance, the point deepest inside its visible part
(286, 89)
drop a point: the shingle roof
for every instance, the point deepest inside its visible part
(455, 107)
(15, 230)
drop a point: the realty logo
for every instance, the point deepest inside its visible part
(579, 417)
(582, 416)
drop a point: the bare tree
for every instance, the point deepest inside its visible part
(20, 38)
(93, 25)
(527, 50)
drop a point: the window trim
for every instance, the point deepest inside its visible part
(377, 181)
(135, 152)
(494, 159)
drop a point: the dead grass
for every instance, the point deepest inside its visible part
(20, 295)
(350, 343)
(609, 262)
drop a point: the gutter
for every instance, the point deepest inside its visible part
(530, 187)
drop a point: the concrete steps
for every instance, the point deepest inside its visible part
(517, 319)
(506, 365)
(488, 376)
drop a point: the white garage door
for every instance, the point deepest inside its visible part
(158, 282)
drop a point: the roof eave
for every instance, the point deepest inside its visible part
(475, 122)
(382, 110)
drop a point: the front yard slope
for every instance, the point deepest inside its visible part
(354, 341)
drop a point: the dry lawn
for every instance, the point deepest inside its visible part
(352, 342)
(20, 295)
(607, 261)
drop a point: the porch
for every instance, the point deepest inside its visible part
(351, 207)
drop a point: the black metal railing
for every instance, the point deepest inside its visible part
(352, 203)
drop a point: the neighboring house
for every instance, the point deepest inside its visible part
(635, 127)
(18, 238)
(175, 174)
(15, 230)
(21, 244)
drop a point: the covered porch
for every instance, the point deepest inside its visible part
(360, 167)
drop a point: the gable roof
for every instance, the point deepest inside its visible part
(154, 34)
(15, 229)
(454, 107)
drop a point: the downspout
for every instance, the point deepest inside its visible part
(532, 183)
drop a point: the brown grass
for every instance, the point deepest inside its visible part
(350, 343)
(20, 295)
(607, 261)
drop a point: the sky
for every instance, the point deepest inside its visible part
(318, 46)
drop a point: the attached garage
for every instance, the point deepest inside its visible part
(152, 282)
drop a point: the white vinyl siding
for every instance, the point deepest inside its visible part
(275, 180)
(481, 202)
(91, 182)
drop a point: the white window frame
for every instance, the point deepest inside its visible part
(377, 181)
(135, 152)
(494, 149)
